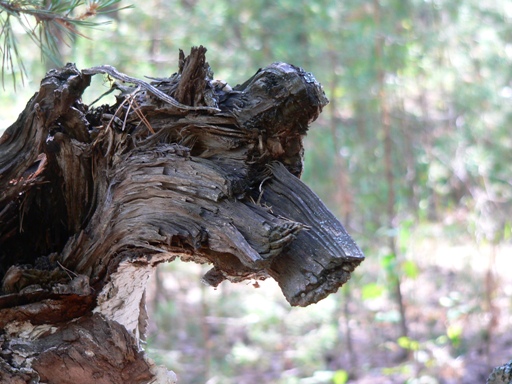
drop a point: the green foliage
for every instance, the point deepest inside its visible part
(410, 269)
(389, 264)
(48, 24)
(454, 333)
(407, 343)
(340, 377)
(372, 291)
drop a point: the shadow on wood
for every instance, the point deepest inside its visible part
(92, 198)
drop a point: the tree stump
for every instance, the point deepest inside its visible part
(501, 374)
(93, 198)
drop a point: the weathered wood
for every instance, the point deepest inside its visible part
(305, 279)
(93, 198)
(88, 350)
(501, 374)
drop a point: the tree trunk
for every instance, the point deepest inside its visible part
(93, 198)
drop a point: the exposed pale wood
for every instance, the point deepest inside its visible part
(93, 198)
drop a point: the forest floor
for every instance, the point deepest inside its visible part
(458, 309)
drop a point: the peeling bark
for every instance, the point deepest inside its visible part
(92, 198)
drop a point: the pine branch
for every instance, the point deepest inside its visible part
(46, 23)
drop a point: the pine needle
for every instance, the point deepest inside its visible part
(48, 26)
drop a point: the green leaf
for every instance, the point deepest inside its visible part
(408, 343)
(410, 269)
(372, 291)
(454, 333)
(340, 377)
(388, 262)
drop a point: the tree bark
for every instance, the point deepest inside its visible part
(501, 374)
(92, 198)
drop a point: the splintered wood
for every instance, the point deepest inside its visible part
(184, 166)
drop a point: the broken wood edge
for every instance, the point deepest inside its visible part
(92, 349)
(320, 259)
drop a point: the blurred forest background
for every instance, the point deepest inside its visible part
(413, 154)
